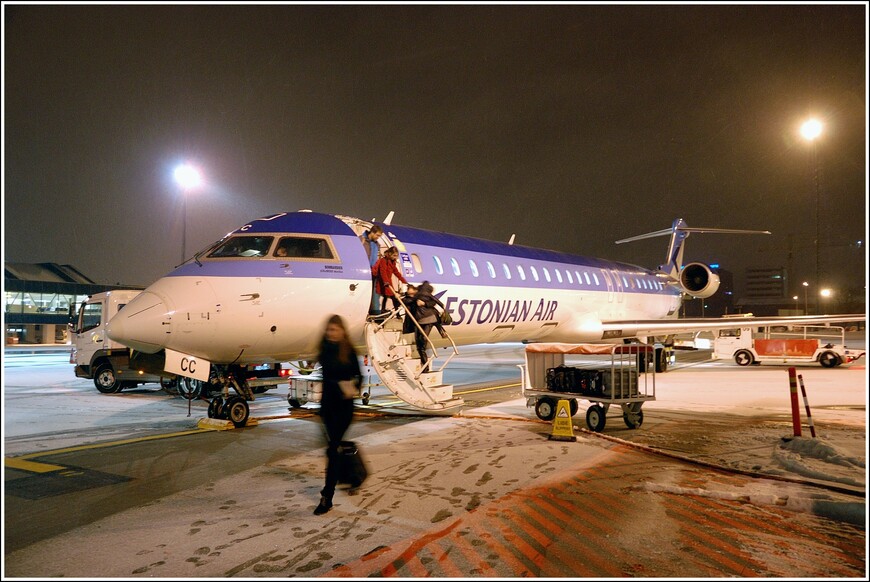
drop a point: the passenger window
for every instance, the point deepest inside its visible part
(455, 266)
(507, 271)
(579, 278)
(297, 247)
(588, 282)
(438, 267)
(570, 279)
(244, 246)
(546, 274)
(534, 272)
(491, 269)
(595, 277)
(418, 266)
(521, 272)
(473, 267)
(558, 275)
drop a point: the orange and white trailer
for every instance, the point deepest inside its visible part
(825, 345)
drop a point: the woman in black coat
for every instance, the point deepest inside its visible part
(340, 363)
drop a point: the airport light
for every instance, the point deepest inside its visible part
(811, 130)
(188, 178)
(796, 304)
(806, 286)
(825, 293)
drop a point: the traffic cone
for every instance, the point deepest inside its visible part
(563, 428)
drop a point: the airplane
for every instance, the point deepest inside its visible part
(239, 301)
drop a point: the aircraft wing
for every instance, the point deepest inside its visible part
(664, 327)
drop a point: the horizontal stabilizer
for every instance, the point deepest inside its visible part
(687, 229)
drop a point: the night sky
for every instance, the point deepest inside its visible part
(571, 126)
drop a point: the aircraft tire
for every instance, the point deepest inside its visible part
(829, 359)
(105, 379)
(545, 408)
(294, 402)
(215, 407)
(743, 357)
(237, 411)
(595, 418)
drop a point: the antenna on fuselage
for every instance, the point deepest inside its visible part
(389, 217)
(511, 241)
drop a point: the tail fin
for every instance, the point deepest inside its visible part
(679, 233)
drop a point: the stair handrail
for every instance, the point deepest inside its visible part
(394, 313)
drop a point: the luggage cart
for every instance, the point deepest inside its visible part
(623, 378)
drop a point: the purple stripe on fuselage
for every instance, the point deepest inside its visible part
(427, 245)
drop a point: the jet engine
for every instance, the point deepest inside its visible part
(698, 280)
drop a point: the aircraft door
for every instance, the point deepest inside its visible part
(609, 285)
(619, 286)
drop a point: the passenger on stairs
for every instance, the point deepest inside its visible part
(409, 301)
(427, 316)
(385, 269)
(369, 239)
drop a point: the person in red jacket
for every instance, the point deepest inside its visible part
(384, 270)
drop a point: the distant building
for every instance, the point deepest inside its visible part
(39, 298)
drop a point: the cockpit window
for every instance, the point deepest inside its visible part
(243, 246)
(295, 247)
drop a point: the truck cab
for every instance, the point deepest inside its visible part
(95, 355)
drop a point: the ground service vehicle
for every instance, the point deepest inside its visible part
(94, 354)
(114, 366)
(825, 345)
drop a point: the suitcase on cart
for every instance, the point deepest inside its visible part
(351, 466)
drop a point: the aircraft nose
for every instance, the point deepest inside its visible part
(144, 324)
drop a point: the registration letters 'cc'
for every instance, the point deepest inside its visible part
(188, 365)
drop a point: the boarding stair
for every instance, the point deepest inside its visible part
(393, 355)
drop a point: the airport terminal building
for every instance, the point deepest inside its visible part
(39, 298)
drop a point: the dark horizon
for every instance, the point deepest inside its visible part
(570, 126)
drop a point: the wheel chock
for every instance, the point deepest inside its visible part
(563, 428)
(220, 424)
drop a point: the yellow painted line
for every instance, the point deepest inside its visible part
(30, 466)
(489, 388)
(24, 464)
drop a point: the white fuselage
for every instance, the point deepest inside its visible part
(269, 308)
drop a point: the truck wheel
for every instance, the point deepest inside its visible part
(294, 403)
(105, 380)
(545, 408)
(743, 357)
(574, 406)
(189, 388)
(829, 359)
(237, 411)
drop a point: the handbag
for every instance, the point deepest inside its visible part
(445, 318)
(348, 389)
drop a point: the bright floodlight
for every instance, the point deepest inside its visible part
(187, 176)
(826, 292)
(811, 129)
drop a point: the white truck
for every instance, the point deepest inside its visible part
(825, 345)
(95, 355)
(113, 366)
